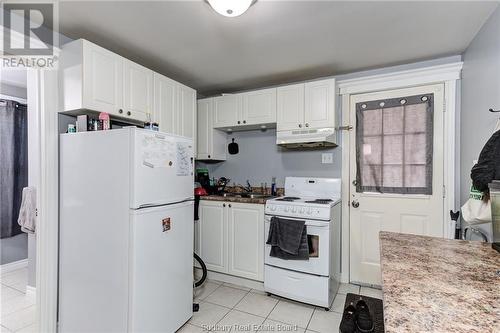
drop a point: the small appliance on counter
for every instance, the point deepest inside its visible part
(495, 213)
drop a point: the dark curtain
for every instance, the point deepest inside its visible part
(13, 164)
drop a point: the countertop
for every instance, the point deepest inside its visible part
(261, 201)
(439, 285)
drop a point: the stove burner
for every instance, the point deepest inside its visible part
(320, 201)
(288, 199)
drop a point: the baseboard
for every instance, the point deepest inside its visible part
(252, 284)
(12, 266)
(31, 291)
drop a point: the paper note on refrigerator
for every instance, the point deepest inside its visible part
(157, 152)
(184, 164)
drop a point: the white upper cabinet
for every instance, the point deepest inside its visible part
(102, 81)
(290, 110)
(93, 78)
(248, 110)
(164, 103)
(138, 90)
(309, 105)
(211, 142)
(227, 110)
(187, 111)
(320, 104)
(259, 107)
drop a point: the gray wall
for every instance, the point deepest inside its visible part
(480, 91)
(260, 159)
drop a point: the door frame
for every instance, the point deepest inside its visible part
(447, 74)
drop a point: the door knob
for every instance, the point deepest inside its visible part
(355, 203)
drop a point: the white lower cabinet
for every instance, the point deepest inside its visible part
(231, 238)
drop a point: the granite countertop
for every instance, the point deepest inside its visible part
(213, 197)
(439, 285)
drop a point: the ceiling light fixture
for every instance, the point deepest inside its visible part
(230, 8)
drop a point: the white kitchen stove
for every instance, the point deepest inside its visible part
(316, 202)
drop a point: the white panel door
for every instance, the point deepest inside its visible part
(213, 235)
(290, 107)
(161, 268)
(259, 107)
(320, 104)
(138, 91)
(102, 79)
(227, 110)
(162, 168)
(399, 187)
(204, 127)
(165, 103)
(246, 240)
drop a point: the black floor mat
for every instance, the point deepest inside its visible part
(376, 309)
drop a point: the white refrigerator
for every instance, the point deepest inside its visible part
(125, 231)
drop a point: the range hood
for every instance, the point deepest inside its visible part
(309, 138)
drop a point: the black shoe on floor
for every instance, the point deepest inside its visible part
(348, 325)
(363, 318)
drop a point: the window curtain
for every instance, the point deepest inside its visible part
(394, 140)
(13, 164)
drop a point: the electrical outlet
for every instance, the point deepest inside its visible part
(327, 158)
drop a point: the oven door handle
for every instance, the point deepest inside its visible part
(312, 223)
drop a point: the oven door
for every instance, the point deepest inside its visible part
(318, 236)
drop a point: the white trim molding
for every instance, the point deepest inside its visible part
(31, 292)
(447, 74)
(401, 79)
(12, 266)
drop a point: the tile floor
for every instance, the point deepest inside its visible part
(229, 308)
(223, 306)
(17, 312)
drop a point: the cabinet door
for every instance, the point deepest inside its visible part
(138, 91)
(204, 127)
(290, 107)
(246, 240)
(102, 80)
(213, 235)
(227, 110)
(320, 104)
(259, 107)
(164, 103)
(187, 112)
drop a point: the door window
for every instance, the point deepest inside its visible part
(394, 145)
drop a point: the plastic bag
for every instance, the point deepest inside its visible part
(477, 209)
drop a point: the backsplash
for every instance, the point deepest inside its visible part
(259, 159)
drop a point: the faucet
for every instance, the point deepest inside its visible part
(247, 188)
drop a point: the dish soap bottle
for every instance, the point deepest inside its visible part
(273, 187)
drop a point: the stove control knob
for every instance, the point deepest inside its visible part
(302, 210)
(273, 208)
(309, 211)
(286, 209)
(294, 209)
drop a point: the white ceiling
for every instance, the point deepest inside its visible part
(275, 41)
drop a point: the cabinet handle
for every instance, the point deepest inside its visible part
(128, 113)
(300, 125)
(120, 111)
(223, 205)
(307, 124)
(208, 156)
(239, 122)
(244, 121)
(229, 205)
